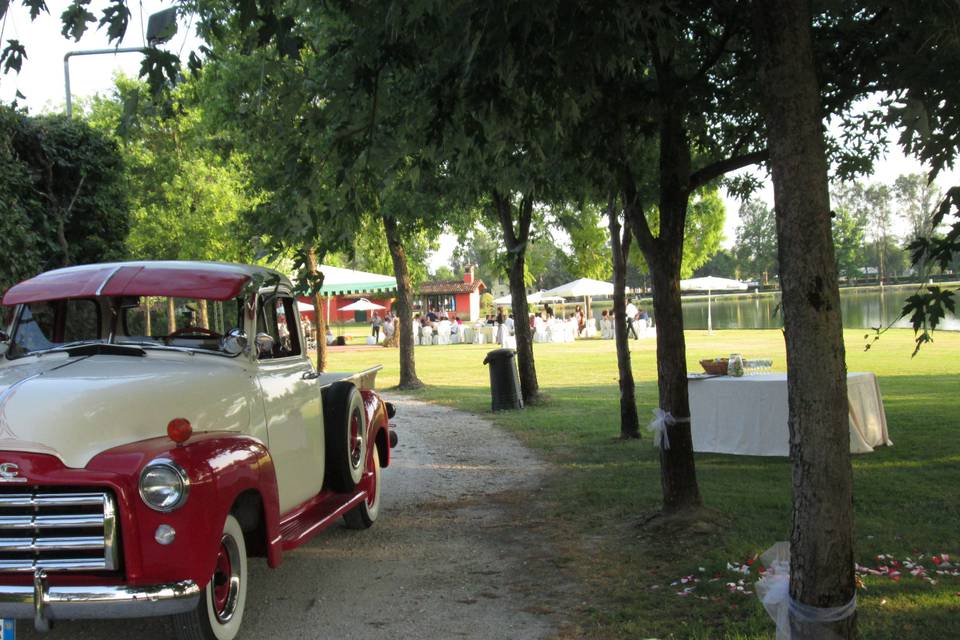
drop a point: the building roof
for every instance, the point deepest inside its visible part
(337, 280)
(180, 279)
(441, 287)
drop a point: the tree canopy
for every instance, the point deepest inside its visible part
(62, 197)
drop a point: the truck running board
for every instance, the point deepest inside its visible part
(316, 515)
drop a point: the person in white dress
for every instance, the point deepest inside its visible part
(631, 318)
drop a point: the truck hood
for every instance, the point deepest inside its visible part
(75, 408)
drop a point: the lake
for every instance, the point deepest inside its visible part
(862, 308)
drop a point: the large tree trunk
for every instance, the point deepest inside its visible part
(678, 473)
(408, 367)
(620, 246)
(821, 540)
(319, 319)
(664, 253)
(516, 241)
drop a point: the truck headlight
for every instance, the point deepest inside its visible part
(164, 485)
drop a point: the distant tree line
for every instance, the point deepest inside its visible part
(866, 217)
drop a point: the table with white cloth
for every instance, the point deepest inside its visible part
(748, 415)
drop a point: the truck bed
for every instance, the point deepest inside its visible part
(365, 379)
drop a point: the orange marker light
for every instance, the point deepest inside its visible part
(179, 430)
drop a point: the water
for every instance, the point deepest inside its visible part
(861, 309)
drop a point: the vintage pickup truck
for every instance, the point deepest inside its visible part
(148, 447)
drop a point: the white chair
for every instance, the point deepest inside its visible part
(443, 332)
(540, 330)
(591, 329)
(426, 334)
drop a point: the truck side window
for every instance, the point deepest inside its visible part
(277, 318)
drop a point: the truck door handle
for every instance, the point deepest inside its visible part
(310, 375)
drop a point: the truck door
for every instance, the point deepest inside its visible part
(291, 401)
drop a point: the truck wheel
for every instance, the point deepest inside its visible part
(366, 514)
(345, 433)
(220, 612)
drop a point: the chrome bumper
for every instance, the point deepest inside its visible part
(44, 603)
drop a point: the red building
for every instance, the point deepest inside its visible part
(456, 298)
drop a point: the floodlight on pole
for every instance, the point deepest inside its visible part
(160, 28)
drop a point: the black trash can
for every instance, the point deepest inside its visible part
(504, 381)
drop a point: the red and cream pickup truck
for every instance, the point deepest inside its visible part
(159, 423)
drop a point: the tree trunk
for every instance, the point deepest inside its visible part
(171, 315)
(408, 368)
(821, 540)
(319, 319)
(516, 242)
(620, 246)
(147, 328)
(664, 254)
(678, 473)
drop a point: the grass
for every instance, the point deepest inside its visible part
(905, 496)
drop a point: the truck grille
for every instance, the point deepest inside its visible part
(57, 531)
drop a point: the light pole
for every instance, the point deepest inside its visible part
(161, 27)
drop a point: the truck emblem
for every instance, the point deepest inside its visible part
(9, 472)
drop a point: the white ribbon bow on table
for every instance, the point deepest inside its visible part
(658, 426)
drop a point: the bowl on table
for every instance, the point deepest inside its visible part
(716, 367)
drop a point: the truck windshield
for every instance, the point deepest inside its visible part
(47, 325)
(179, 322)
(158, 322)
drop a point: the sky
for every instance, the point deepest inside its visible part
(41, 81)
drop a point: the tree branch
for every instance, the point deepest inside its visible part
(526, 216)
(503, 209)
(717, 169)
(633, 213)
(714, 56)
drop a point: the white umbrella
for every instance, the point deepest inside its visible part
(305, 306)
(534, 298)
(362, 305)
(710, 284)
(585, 288)
(582, 288)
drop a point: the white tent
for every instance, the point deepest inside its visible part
(581, 288)
(362, 305)
(711, 284)
(534, 298)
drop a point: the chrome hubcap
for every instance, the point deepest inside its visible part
(226, 580)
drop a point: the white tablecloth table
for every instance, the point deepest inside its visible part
(748, 415)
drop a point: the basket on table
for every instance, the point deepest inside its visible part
(716, 367)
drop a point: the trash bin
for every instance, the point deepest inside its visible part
(504, 381)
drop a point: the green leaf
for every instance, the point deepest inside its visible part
(13, 56)
(75, 19)
(117, 18)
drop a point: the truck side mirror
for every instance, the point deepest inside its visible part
(264, 342)
(235, 342)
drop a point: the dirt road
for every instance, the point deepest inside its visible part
(456, 552)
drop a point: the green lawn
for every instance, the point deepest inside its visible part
(906, 496)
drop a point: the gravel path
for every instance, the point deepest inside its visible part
(455, 554)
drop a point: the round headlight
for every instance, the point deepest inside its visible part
(163, 485)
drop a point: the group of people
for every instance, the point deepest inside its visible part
(388, 324)
(638, 321)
